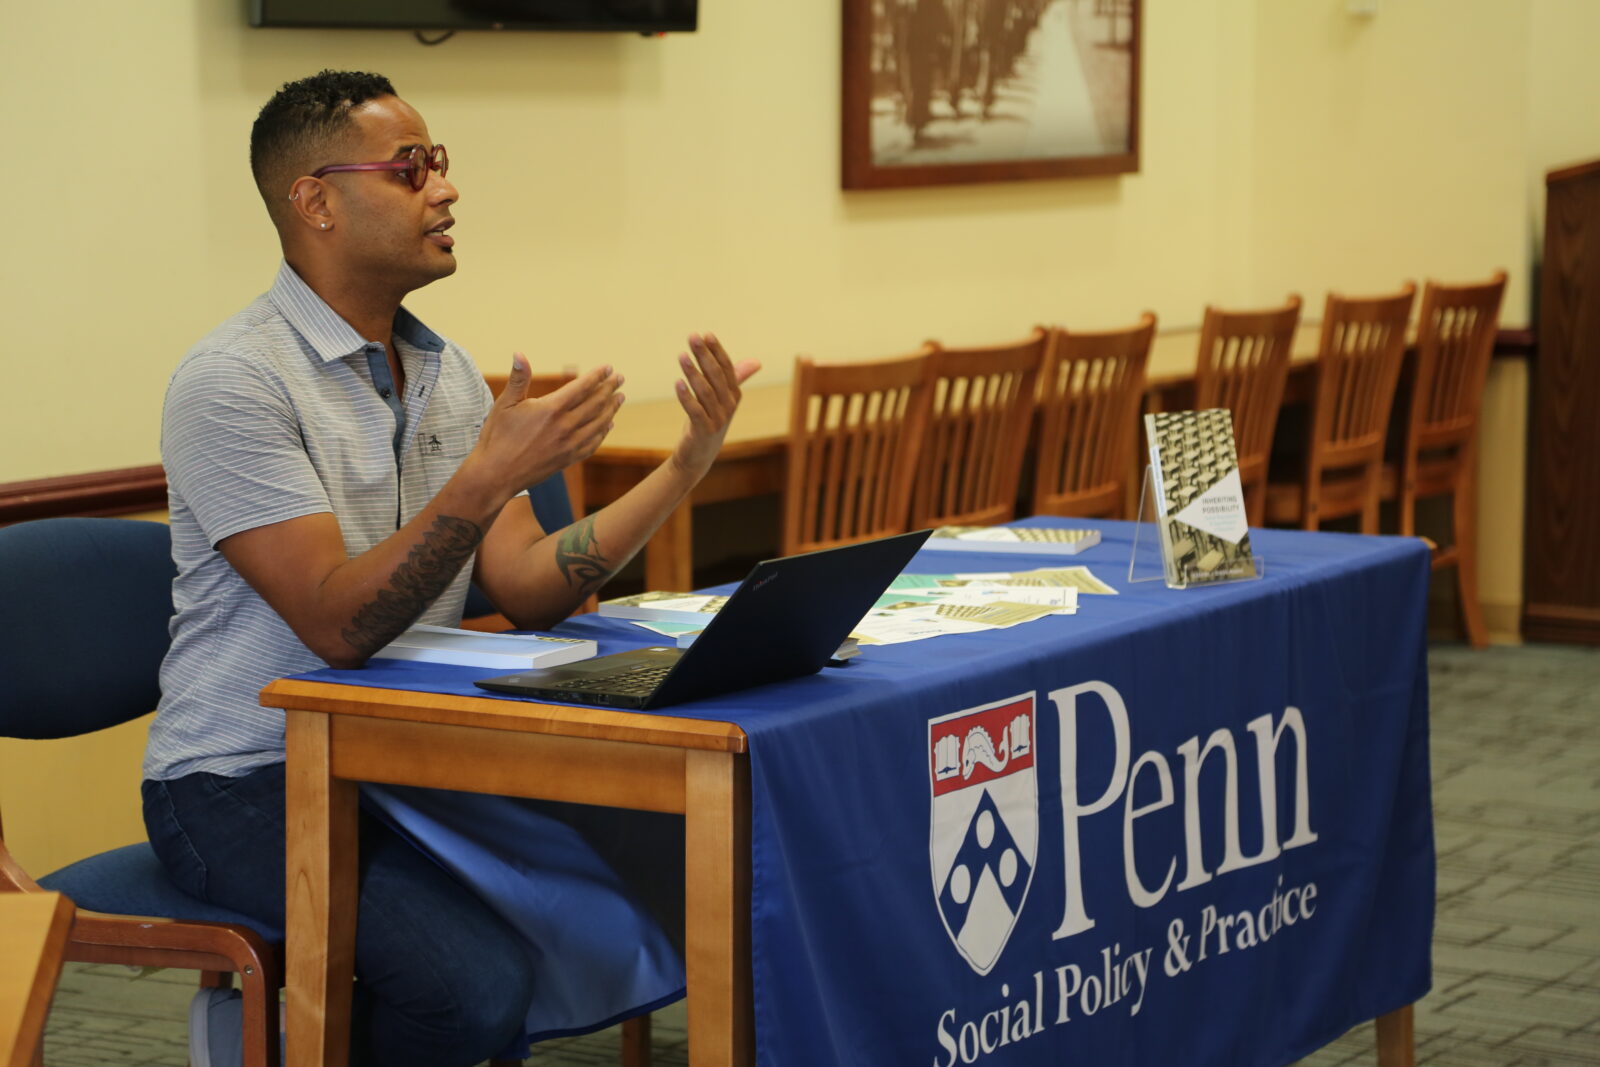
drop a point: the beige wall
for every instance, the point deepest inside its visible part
(63, 800)
(618, 192)
(1563, 86)
(1394, 147)
(1390, 147)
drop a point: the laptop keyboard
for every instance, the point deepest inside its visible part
(636, 682)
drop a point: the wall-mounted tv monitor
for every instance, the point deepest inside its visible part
(640, 16)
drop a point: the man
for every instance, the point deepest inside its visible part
(337, 472)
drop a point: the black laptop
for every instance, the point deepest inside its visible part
(785, 620)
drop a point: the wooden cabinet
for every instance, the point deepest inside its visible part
(1561, 570)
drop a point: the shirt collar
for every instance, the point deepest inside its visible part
(329, 335)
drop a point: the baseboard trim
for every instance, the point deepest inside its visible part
(1504, 623)
(1561, 623)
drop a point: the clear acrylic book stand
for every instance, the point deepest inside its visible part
(1147, 505)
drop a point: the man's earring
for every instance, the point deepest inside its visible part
(294, 196)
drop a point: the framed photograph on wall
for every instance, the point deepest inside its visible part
(948, 91)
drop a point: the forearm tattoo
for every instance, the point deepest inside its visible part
(578, 555)
(427, 571)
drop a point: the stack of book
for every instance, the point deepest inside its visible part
(663, 607)
(471, 648)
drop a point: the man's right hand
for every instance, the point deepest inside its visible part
(526, 440)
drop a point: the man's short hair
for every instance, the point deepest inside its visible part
(301, 121)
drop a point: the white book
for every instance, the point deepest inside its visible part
(1031, 540)
(473, 648)
(663, 607)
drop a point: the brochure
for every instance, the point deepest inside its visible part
(1031, 540)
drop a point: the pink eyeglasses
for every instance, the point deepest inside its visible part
(416, 165)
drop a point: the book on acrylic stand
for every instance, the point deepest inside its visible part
(1193, 492)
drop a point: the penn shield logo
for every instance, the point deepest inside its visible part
(984, 823)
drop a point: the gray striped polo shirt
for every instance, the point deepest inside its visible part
(283, 411)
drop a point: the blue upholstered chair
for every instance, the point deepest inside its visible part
(54, 575)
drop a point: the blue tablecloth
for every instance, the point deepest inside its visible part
(1178, 827)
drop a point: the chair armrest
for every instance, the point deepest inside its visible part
(12, 876)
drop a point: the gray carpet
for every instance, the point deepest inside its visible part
(1516, 946)
(1516, 762)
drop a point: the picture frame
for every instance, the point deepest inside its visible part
(941, 92)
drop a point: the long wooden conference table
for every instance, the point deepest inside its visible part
(752, 459)
(820, 778)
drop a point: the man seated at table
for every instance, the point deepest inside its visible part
(337, 472)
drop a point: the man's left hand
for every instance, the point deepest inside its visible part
(709, 392)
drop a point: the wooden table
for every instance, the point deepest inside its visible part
(33, 935)
(339, 735)
(752, 458)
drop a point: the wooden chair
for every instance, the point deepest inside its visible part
(1455, 339)
(1358, 364)
(1089, 398)
(855, 431)
(129, 912)
(978, 426)
(1243, 364)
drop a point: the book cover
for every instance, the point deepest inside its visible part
(1030, 540)
(471, 648)
(1199, 499)
(663, 607)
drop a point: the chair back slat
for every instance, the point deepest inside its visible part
(855, 430)
(1243, 365)
(1455, 341)
(1090, 393)
(1358, 365)
(981, 410)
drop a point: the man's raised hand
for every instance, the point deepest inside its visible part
(709, 392)
(526, 439)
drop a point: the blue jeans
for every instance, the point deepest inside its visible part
(440, 979)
